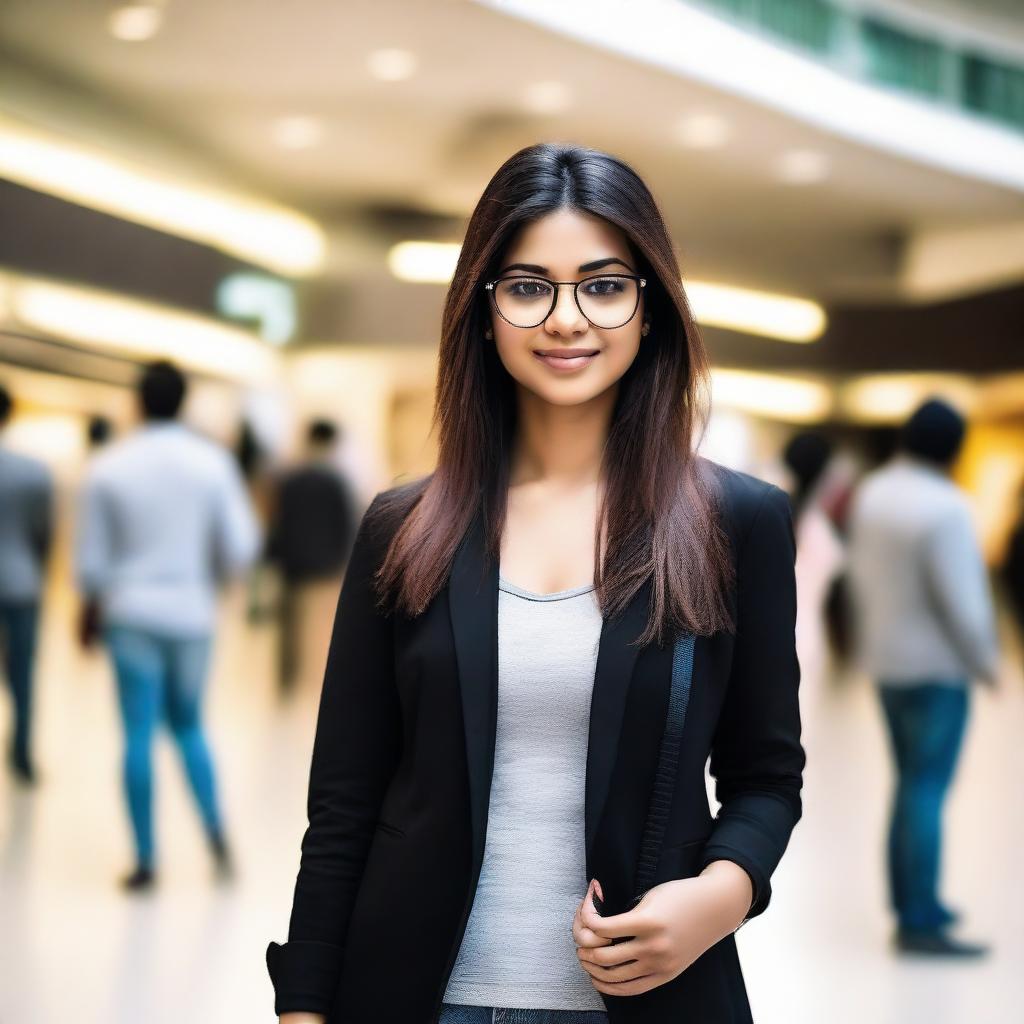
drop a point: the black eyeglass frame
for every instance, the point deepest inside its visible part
(489, 286)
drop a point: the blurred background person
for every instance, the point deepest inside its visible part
(165, 516)
(925, 627)
(1013, 566)
(819, 552)
(26, 530)
(99, 431)
(309, 539)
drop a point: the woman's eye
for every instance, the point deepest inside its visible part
(604, 286)
(529, 289)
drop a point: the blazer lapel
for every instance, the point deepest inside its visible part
(473, 606)
(616, 658)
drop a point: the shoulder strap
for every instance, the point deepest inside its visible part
(668, 762)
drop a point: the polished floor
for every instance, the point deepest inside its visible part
(75, 949)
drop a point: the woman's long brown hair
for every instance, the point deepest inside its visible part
(659, 505)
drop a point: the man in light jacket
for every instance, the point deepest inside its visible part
(165, 517)
(925, 627)
(26, 532)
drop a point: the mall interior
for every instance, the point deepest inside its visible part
(272, 197)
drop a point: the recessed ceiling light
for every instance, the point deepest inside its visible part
(391, 65)
(134, 23)
(703, 131)
(547, 97)
(297, 132)
(802, 167)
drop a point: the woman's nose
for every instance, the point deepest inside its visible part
(566, 317)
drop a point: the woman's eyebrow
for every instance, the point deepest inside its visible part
(534, 268)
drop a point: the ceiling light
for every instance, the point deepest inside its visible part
(134, 23)
(297, 132)
(802, 167)
(547, 97)
(794, 399)
(742, 309)
(256, 231)
(892, 397)
(391, 65)
(108, 321)
(430, 262)
(703, 131)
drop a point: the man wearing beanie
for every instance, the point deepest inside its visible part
(924, 628)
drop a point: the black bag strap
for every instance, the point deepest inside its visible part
(660, 805)
(668, 763)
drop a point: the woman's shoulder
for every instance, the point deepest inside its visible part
(741, 497)
(389, 507)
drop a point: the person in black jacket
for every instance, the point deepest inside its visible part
(310, 536)
(537, 647)
(1013, 565)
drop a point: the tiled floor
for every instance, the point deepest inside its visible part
(73, 948)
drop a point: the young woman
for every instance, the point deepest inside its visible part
(501, 686)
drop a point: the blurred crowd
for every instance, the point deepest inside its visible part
(890, 577)
(164, 518)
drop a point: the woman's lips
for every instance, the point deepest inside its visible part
(566, 363)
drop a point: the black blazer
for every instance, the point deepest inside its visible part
(403, 755)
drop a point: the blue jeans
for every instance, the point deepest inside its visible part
(18, 623)
(162, 677)
(458, 1013)
(926, 726)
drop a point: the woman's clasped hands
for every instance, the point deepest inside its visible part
(671, 926)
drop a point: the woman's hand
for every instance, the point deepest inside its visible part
(672, 925)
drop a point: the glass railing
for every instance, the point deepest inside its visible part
(888, 53)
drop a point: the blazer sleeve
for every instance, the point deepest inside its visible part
(756, 756)
(355, 751)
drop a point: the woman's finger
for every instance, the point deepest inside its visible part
(582, 935)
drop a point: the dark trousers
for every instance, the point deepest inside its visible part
(926, 726)
(288, 645)
(303, 601)
(18, 626)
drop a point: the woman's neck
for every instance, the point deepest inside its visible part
(560, 445)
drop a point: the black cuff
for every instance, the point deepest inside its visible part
(305, 975)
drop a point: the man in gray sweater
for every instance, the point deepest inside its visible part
(924, 628)
(26, 529)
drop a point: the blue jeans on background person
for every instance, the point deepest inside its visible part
(926, 726)
(458, 1013)
(18, 626)
(162, 677)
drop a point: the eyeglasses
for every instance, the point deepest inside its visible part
(607, 301)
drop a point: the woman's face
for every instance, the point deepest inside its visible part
(559, 246)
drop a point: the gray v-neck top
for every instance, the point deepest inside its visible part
(518, 949)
